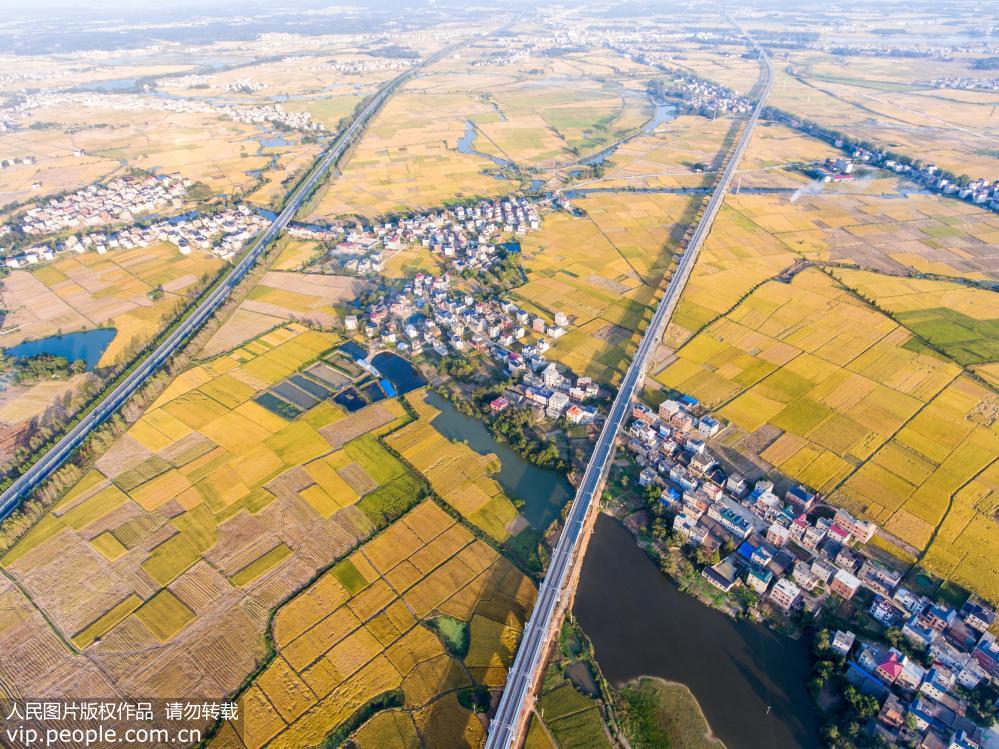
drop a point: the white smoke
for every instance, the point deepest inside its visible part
(814, 187)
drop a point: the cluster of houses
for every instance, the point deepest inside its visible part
(252, 115)
(194, 80)
(703, 97)
(966, 82)
(781, 552)
(244, 85)
(833, 170)
(357, 67)
(118, 201)
(223, 234)
(795, 555)
(978, 191)
(920, 702)
(24, 160)
(427, 315)
(465, 235)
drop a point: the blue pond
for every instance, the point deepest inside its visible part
(354, 350)
(465, 145)
(88, 345)
(401, 375)
(350, 399)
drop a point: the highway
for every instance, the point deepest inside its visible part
(59, 452)
(505, 727)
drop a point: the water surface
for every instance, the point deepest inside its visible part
(749, 681)
(397, 371)
(88, 345)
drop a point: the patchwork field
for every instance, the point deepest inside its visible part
(889, 101)
(666, 158)
(309, 297)
(204, 148)
(90, 290)
(961, 321)
(359, 632)
(755, 237)
(155, 574)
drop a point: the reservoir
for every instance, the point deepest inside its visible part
(544, 492)
(640, 623)
(88, 345)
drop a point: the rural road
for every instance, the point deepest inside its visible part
(506, 726)
(59, 452)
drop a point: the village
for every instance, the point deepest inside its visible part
(272, 114)
(224, 234)
(794, 558)
(119, 201)
(463, 235)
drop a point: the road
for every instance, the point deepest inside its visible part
(59, 452)
(505, 726)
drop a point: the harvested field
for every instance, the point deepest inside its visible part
(191, 526)
(349, 637)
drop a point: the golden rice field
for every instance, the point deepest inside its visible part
(961, 321)
(76, 292)
(359, 631)
(849, 403)
(604, 270)
(757, 236)
(667, 157)
(154, 575)
(457, 473)
(408, 159)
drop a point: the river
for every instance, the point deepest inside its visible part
(641, 624)
(544, 492)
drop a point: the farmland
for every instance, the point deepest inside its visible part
(604, 270)
(359, 631)
(837, 375)
(408, 160)
(835, 394)
(889, 102)
(523, 115)
(77, 292)
(205, 515)
(457, 473)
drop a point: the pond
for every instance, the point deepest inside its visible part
(350, 399)
(88, 345)
(544, 492)
(751, 683)
(399, 372)
(354, 350)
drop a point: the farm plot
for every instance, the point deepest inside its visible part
(960, 320)
(359, 632)
(288, 295)
(457, 473)
(161, 564)
(408, 159)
